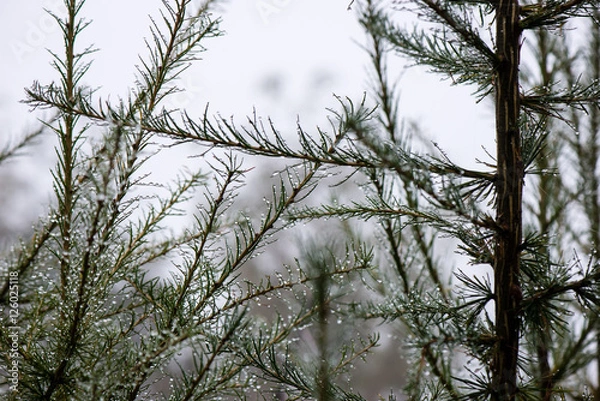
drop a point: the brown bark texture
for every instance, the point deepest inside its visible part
(509, 202)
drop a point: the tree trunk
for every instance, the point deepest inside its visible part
(509, 188)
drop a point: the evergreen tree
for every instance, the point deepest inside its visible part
(106, 301)
(94, 319)
(525, 348)
(576, 65)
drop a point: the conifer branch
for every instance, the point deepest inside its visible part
(554, 12)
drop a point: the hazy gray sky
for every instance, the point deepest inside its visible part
(284, 57)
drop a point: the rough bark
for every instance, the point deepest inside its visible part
(509, 202)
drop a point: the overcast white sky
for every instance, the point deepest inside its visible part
(285, 57)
